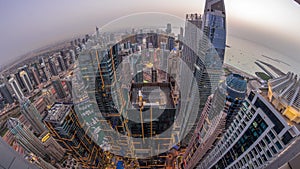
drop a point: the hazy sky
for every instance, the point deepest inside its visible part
(30, 24)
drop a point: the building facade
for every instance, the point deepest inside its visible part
(16, 88)
(58, 87)
(32, 115)
(256, 136)
(66, 129)
(6, 94)
(216, 116)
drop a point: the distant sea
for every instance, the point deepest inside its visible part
(242, 54)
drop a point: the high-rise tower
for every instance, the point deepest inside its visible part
(218, 114)
(214, 25)
(64, 125)
(259, 134)
(32, 116)
(26, 138)
(56, 82)
(52, 66)
(16, 87)
(6, 94)
(26, 80)
(203, 52)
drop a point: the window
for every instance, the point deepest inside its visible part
(251, 96)
(269, 154)
(271, 135)
(274, 150)
(267, 140)
(278, 145)
(278, 125)
(259, 149)
(264, 157)
(287, 137)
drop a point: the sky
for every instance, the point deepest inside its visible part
(31, 24)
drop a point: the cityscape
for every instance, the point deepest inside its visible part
(152, 90)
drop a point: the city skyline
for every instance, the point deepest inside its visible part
(40, 24)
(153, 87)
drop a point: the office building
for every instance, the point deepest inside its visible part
(169, 28)
(36, 76)
(56, 151)
(214, 26)
(19, 80)
(203, 53)
(26, 80)
(216, 117)
(59, 90)
(65, 127)
(32, 115)
(61, 63)
(16, 88)
(6, 94)
(257, 135)
(52, 66)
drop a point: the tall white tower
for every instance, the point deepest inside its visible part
(24, 76)
(16, 87)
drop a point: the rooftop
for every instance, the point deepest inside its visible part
(153, 94)
(286, 89)
(58, 112)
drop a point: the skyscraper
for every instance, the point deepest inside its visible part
(26, 80)
(19, 80)
(169, 28)
(257, 135)
(214, 26)
(203, 52)
(56, 151)
(52, 66)
(26, 138)
(65, 127)
(61, 63)
(6, 94)
(215, 117)
(16, 88)
(35, 74)
(60, 92)
(32, 116)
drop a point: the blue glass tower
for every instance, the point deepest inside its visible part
(214, 25)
